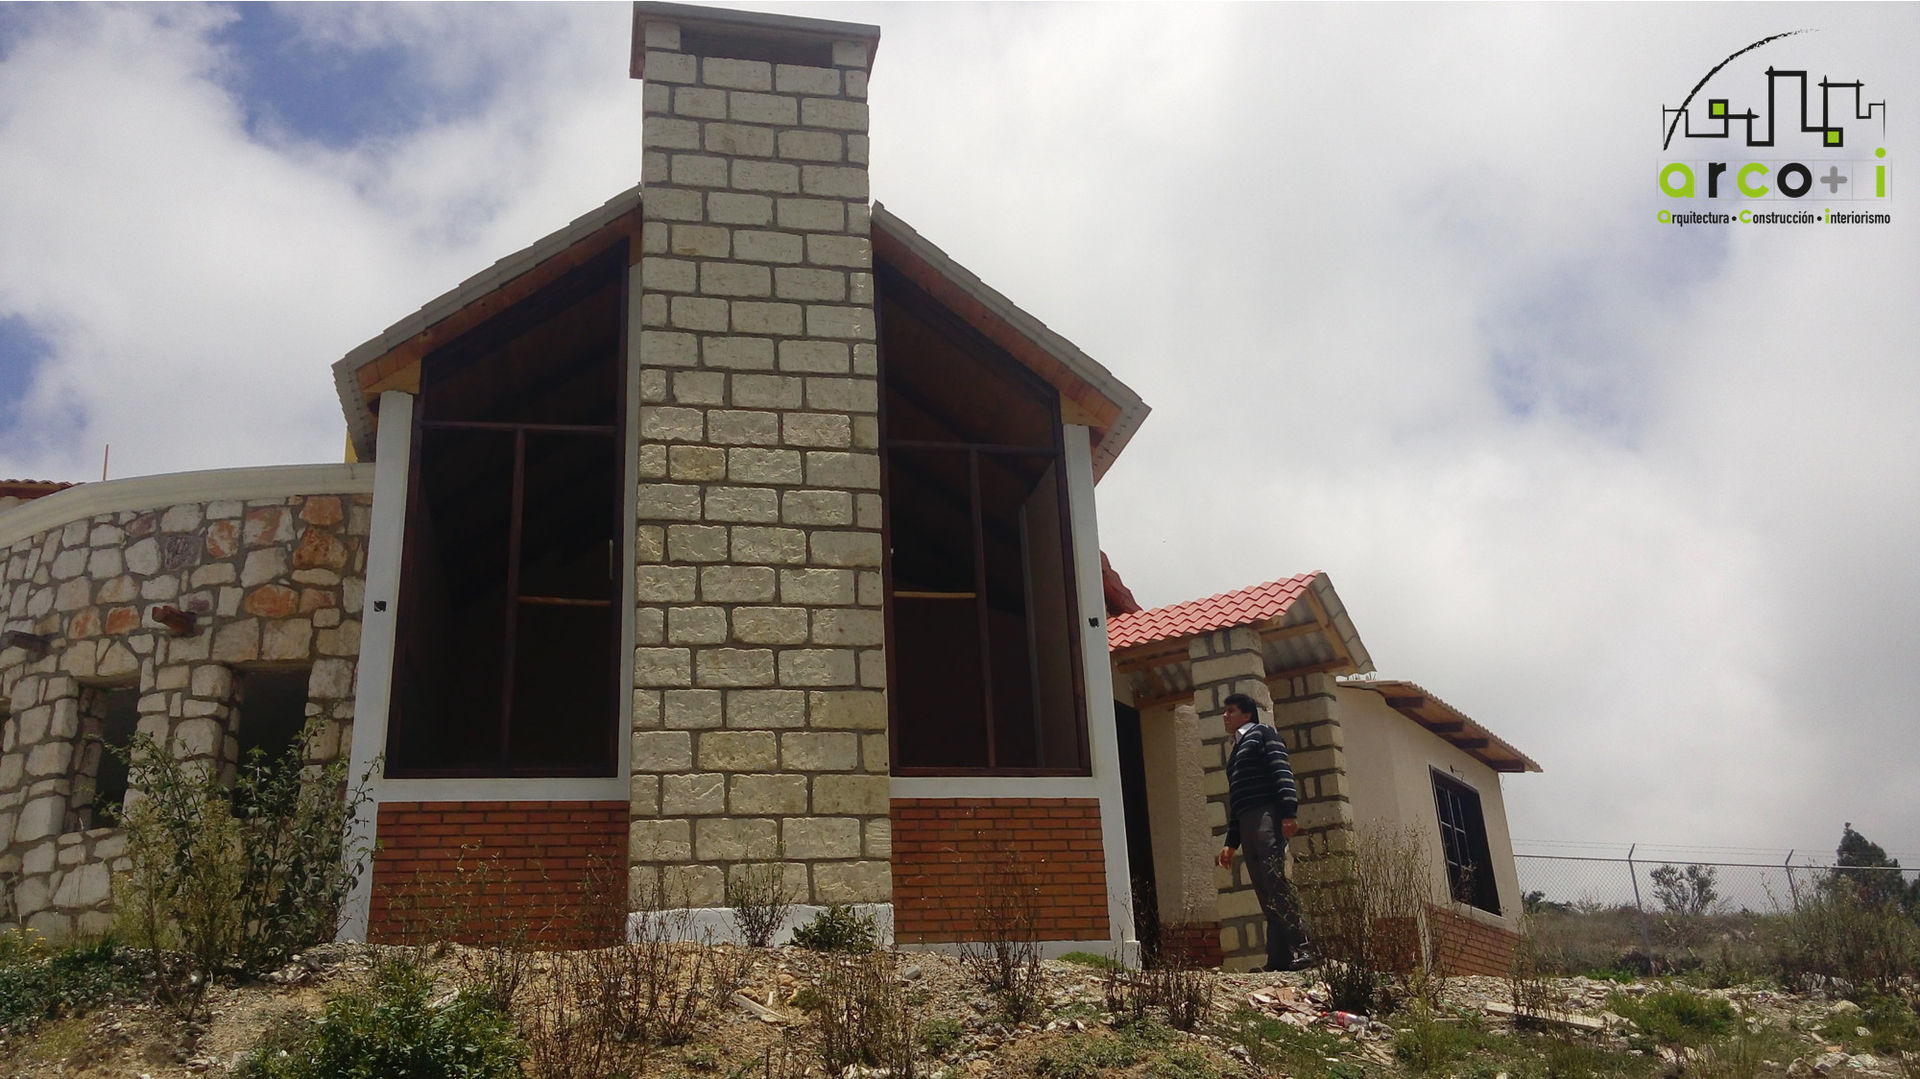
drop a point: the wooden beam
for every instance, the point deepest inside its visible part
(1443, 726)
(1470, 743)
(1401, 704)
(1163, 700)
(1162, 657)
(1288, 633)
(1333, 635)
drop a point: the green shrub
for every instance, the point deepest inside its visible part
(1094, 960)
(1841, 933)
(940, 1034)
(391, 1031)
(232, 878)
(839, 928)
(1676, 1016)
(38, 983)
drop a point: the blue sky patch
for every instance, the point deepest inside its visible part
(332, 92)
(22, 351)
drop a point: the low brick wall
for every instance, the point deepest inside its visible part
(1467, 946)
(949, 852)
(480, 872)
(1192, 944)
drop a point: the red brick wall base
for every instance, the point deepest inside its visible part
(958, 860)
(1463, 945)
(551, 873)
(1195, 944)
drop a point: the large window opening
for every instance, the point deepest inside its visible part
(109, 717)
(509, 625)
(983, 647)
(1463, 841)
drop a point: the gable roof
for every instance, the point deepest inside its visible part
(1303, 626)
(1413, 701)
(1089, 393)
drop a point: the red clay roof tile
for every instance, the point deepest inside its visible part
(1240, 608)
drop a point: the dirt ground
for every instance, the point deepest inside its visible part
(774, 1037)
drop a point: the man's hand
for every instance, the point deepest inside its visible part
(1288, 826)
(1226, 857)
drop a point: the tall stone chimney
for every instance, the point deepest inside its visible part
(760, 710)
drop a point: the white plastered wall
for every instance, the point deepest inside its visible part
(1390, 760)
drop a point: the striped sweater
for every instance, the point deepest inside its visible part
(1258, 775)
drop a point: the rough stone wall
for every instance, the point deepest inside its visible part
(759, 710)
(273, 582)
(950, 854)
(1305, 714)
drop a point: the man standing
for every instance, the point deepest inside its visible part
(1261, 805)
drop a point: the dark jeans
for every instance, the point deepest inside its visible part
(1266, 853)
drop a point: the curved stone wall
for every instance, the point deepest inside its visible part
(274, 582)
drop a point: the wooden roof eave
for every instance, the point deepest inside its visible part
(391, 361)
(1089, 394)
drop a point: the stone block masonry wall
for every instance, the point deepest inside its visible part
(949, 852)
(759, 708)
(1223, 663)
(274, 582)
(1305, 714)
(493, 872)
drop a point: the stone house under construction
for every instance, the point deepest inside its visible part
(733, 524)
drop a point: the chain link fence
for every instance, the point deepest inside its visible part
(1637, 913)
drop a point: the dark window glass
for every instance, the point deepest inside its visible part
(1463, 841)
(110, 717)
(273, 709)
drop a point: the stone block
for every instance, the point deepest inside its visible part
(237, 642)
(855, 252)
(734, 667)
(739, 751)
(660, 348)
(814, 357)
(770, 625)
(739, 140)
(735, 279)
(662, 751)
(668, 275)
(737, 584)
(767, 391)
(662, 423)
(675, 204)
(49, 759)
(736, 208)
(700, 103)
(834, 548)
(288, 639)
(766, 709)
(873, 668)
(697, 794)
(738, 428)
(767, 795)
(857, 710)
(659, 841)
(844, 469)
(857, 152)
(692, 709)
(853, 882)
(751, 108)
(743, 505)
(776, 177)
(664, 667)
(817, 586)
(798, 79)
(739, 353)
(812, 146)
(667, 502)
(697, 463)
(741, 839)
(818, 667)
(1318, 760)
(809, 838)
(878, 838)
(816, 507)
(697, 625)
(697, 543)
(664, 133)
(834, 181)
(646, 709)
(331, 680)
(649, 542)
(644, 796)
(851, 795)
(703, 313)
(666, 584)
(755, 316)
(843, 626)
(851, 322)
(811, 215)
(757, 465)
(807, 283)
(736, 74)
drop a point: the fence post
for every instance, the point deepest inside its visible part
(1792, 888)
(1646, 939)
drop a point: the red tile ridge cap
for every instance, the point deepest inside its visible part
(1188, 618)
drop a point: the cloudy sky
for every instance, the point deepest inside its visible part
(1644, 500)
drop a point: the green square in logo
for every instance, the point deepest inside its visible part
(1833, 138)
(1718, 108)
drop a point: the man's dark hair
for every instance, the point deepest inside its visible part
(1244, 703)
